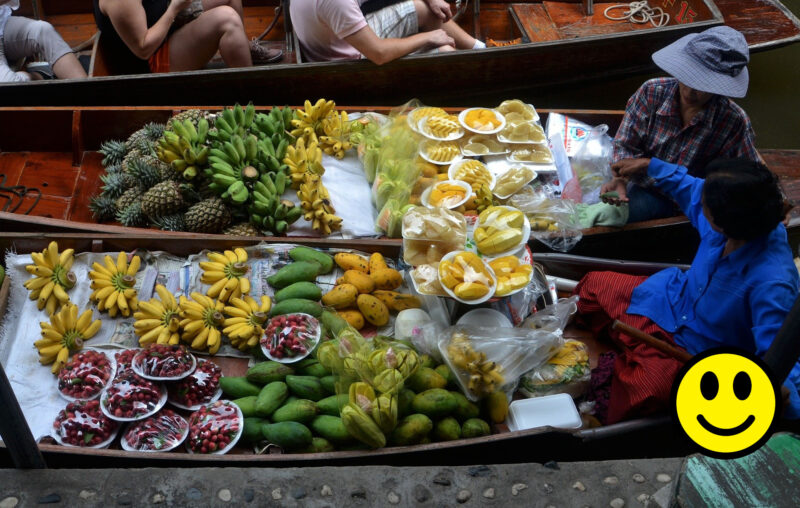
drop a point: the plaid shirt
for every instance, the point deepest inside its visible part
(652, 127)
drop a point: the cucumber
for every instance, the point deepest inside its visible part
(309, 254)
(303, 289)
(294, 272)
(295, 305)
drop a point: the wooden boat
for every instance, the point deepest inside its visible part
(624, 440)
(561, 44)
(64, 167)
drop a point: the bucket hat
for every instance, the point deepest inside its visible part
(713, 61)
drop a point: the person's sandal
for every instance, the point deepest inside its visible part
(262, 55)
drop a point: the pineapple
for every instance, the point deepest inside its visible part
(102, 207)
(242, 229)
(192, 114)
(167, 173)
(174, 222)
(129, 197)
(144, 174)
(115, 184)
(113, 151)
(164, 198)
(208, 216)
(132, 155)
(132, 216)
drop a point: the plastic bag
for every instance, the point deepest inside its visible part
(592, 163)
(485, 360)
(430, 233)
(161, 432)
(553, 318)
(554, 221)
(567, 371)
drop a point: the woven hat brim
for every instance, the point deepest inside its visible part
(679, 64)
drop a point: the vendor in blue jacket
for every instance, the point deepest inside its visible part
(737, 292)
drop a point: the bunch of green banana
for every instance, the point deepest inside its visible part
(231, 166)
(236, 121)
(267, 210)
(307, 122)
(303, 158)
(184, 147)
(316, 203)
(336, 138)
(277, 123)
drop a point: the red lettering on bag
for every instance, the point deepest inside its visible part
(668, 3)
(686, 14)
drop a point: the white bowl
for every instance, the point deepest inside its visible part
(125, 446)
(451, 172)
(556, 411)
(449, 257)
(462, 119)
(312, 343)
(523, 259)
(410, 119)
(423, 153)
(235, 438)
(526, 233)
(485, 318)
(103, 444)
(111, 360)
(156, 409)
(136, 365)
(422, 129)
(424, 198)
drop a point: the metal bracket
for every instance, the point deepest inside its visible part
(588, 6)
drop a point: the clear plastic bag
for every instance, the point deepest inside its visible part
(159, 433)
(430, 233)
(554, 221)
(567, 371)
(553, 318)
(592, 163)
(485, 360)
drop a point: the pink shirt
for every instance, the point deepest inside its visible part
(322, 25)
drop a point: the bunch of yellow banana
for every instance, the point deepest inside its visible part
(307, 122)
(485, 377)
(303, 157)
(226, 273)
(244, 327)
(336, 140)
(483, 198)
(316, 204)
(64, 334)
(158, 321)
(113, 285)
(52, 277)
(201, 318)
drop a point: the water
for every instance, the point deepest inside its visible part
(772, 102)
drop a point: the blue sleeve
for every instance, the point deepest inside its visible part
(686, 190)
(770, 303)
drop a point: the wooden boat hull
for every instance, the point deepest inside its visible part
(459, 78)
(629, 439)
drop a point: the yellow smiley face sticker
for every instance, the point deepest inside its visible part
(725, 402)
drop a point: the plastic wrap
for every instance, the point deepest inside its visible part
(201, 387)
(125, 358)
(215, 428)
(164, 362)
(291, 337)
(430, 233)
(553, 318)
(159, 433)
(131, 397)
(592, 163)
(567, 372)
(554, 221)
(485, 360)
(82, 424)
(85, 375)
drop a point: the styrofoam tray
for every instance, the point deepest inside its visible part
(556, 411)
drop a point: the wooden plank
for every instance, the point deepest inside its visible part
(570, 20)
(89, 184)
(11, 165)
(766, 477)
(50, 172)
(535, 22)
(74, 28)
(763, 23)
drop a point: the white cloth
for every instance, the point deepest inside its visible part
(6, 6)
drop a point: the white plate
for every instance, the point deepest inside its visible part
(462, 119)
(156, 409)
(522, 260)
(424, 131)
(137, 368)
(484, 318)
(451, 172)
(471, 154)
(197, 406)
(233, 441)
(520, 187)
(427, 193)
(448, 257)
(423, 153)
(110, 356)
(103, 444)
(410, 119)
(535, 113)
(504, 139)
(125, 446)
(510, 158)
(526, 233)
(312, 344)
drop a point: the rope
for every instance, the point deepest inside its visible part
(639, 13)
(20, 191)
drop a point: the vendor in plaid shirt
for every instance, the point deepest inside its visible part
(686, 119)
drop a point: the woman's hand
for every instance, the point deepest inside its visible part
(628, 168)
(440, 9)
(615, 191)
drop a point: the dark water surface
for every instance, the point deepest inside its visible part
(773, 98)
